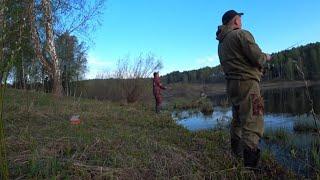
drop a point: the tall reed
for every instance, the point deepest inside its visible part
(4, 171)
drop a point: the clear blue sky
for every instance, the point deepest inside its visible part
(182, 32)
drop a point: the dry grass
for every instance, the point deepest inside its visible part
(113, 141)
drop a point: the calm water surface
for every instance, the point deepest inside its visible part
(282, 108)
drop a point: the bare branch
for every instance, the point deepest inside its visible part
(77, 16)
(130, 75)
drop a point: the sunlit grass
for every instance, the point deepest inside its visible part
(114, 140)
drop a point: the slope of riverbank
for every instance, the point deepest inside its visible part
(114, 141)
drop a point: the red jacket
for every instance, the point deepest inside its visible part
(157, 86)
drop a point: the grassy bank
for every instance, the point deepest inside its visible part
(307, 124)
(300, 151)
(113, 140)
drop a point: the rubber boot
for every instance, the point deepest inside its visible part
(236, 147)
(251, 157)
(157, 109)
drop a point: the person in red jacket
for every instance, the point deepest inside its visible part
(157, 87)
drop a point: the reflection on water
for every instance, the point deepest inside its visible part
(291, 100)
(282, 106)
(195, 120)
(288, 100)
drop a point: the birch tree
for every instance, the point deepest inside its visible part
(66, 16)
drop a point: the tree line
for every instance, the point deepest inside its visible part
(39, 42)
(286, 65)
(203, 75)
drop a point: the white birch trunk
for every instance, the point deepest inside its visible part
(57, 82)
(53, 66)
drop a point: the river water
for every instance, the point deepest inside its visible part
(283, 107)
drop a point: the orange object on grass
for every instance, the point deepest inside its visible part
(75, 120)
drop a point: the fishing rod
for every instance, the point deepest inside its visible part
(268, 66)
(308, 95)
(290, 47)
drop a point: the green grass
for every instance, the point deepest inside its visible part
(302, 147)
(279, 134)
(4, 171)
(206, 106)
(315, 156)
(113, 141)
(305, 148)
(203, 105)
(306, 124)
(185, 104)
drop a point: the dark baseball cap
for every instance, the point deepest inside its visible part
(227, 16)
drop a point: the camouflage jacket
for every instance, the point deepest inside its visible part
(240, 56)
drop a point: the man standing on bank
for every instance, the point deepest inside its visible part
(157, 87)
(242, 61)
